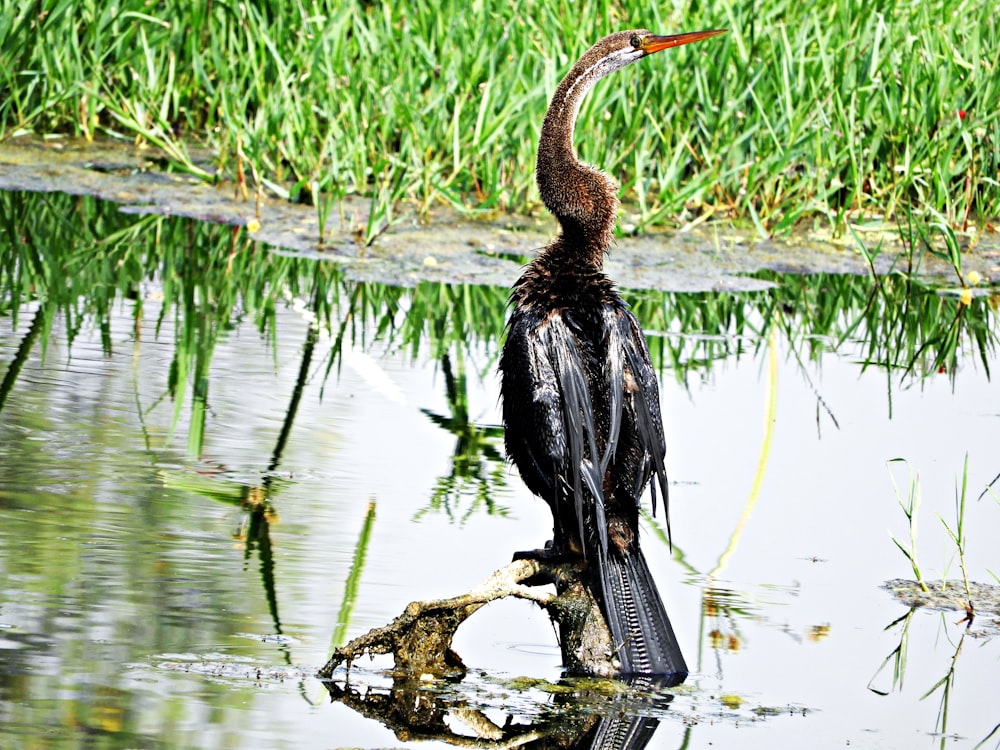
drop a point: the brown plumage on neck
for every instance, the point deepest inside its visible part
(582, 198)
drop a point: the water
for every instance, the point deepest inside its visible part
(141, 605)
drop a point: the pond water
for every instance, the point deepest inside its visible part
(172, 578)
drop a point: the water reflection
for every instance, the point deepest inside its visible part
(185, 462)
(477, 465)
(578, 718)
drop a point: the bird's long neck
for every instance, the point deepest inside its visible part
(555, 146)
(583, 199)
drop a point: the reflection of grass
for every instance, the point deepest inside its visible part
(945, 684)
(478, 468)
(79, 259)
(898, 657)
(987, 738)
(353, 579)
(770, 413)
(901, 324)
(863, 108)
(722, 610)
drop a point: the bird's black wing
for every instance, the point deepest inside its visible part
(560, 346)
(550, 415)
(550, 421)
(533, 432)
(635, 402)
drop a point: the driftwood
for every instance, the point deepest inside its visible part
(420, 638)
(420, 642)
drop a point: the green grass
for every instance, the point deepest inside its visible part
(830, 111)
(910, 505)
(957, 534)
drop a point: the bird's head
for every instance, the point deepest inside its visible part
(583, 198)
(626, 47)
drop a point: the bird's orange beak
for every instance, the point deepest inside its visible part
(653, 43)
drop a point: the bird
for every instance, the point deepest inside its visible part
(579, 395)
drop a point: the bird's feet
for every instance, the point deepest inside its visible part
(547, 555)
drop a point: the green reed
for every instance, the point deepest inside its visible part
(834, 112)
(910, 504)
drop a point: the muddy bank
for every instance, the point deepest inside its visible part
(445, 246)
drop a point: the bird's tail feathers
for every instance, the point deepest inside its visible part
(636, 617)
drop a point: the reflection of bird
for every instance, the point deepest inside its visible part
(580, 400)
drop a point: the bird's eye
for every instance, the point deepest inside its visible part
(635, 41)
